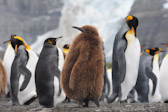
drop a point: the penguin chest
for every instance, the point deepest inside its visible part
(156, 97)
(7, 62)
(132, 56)
(163, 78)
(156, 65)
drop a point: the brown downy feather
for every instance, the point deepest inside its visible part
(3, 78)
(82, 74)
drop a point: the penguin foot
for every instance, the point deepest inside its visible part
(96, 102)
(11, 103)
(112, 98)
(8, 95)
(80, 104)
(124, 101)
(166, 101)
(86, 103)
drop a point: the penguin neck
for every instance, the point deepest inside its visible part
(166, 55)
(156, 58)
(49, 45)
(65, 50)
(130, 36)
(27, 46)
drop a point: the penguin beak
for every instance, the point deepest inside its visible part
(16, 46)
(78, 28)
(58, 38)
(165, 45)
(7, 41)
(133, 30)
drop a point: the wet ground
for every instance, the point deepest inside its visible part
(73, 107)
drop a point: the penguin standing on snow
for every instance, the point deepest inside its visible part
(47, 75)
(125, 62)
(7, 62)
(83, 70)
(22, 77)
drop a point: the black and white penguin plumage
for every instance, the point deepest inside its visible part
(145, 73)
(7, 62)
(47, 75)
(22, 77)
(155, 52)
(106, 87)
(125, 62)
(164, 76)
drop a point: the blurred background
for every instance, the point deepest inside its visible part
(36, 20)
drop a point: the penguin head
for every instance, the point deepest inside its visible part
(87, 29)
(52, 40)
(153, 51)
(132, 22)
(66, 48)
(16, 41)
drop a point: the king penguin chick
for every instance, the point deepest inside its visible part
(7, 62)
(22, 77)
(47, 75)
(83, 70)
(3, 78)
(125, 62)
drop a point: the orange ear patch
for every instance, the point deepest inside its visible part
(50, 42)
(129, 18)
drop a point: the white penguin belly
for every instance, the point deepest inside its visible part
(62, 96)
(61, 59)
(109, 76)
(30, 91)
(7, 62)
(132, 56)
(163, 79)
(156, 97)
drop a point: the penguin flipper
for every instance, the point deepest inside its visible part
(58, 76)
(153, 77)
(27, 75)
(122, 61)
(56, 72)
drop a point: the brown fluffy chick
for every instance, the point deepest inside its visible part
(83, 70)
(3, 78)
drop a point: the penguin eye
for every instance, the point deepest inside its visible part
(86, 30)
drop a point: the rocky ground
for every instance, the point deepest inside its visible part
(73, 107)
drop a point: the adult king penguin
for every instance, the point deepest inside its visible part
(47, 75)
(83, 70)
(145, 73)
(22, 77)
(163, 76)
(156, 97)
(125, 60)
(7, 62)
